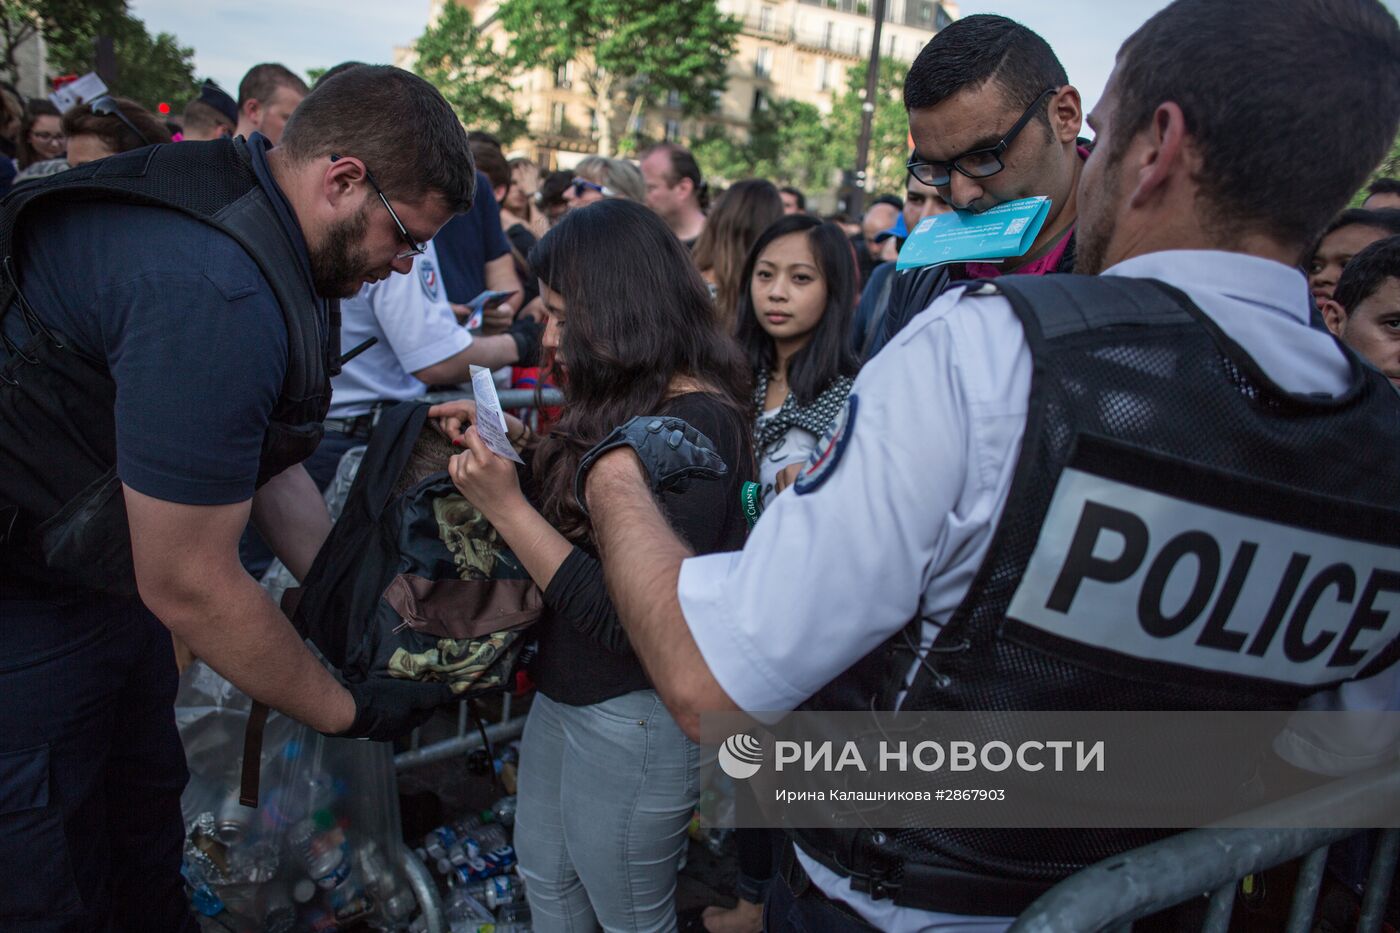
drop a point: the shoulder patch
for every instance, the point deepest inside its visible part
(428, 278)
(829, 450)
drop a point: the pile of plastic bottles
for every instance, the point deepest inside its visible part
(474, 862)
(296, 863)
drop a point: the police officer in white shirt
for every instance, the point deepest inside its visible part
(419, 343)
(1024, 469)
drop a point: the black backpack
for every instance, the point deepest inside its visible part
(412, 579)
(404, 577)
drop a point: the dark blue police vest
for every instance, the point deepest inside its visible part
(1180, 534)
(62, 515)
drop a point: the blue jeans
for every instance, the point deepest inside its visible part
(606, 794)
(91, 770)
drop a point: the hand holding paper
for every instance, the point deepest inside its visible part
(490, 420)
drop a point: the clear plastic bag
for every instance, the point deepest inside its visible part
(320, 850)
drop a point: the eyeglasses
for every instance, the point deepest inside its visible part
(583, 184)
(414, 247)
(979, 163)
(107, 107)
(48, 137)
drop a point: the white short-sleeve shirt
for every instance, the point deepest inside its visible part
(416, 328)
(904, 518)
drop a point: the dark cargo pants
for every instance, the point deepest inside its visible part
(91, 770)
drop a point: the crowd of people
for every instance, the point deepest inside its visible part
(172, 407)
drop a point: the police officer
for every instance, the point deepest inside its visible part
(420, 344)
(167, 343)
(1093, 432)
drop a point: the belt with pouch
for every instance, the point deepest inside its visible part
(937, 888)
(357, 426)
(792, 873)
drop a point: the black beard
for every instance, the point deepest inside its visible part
(338, 265)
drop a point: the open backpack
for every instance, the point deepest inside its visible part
(412, 582)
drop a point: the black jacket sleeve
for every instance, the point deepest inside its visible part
(578, 595)
(702, 512)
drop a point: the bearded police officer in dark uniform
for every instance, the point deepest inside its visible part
(1032, 463)
(169, 326)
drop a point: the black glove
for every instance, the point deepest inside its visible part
(386, 707)
(670, 451)
(526, 333)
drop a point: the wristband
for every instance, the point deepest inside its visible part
(751, 501)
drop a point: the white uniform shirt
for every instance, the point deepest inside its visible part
(416, 328)
(904, 519)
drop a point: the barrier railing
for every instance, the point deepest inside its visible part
(1109, 896)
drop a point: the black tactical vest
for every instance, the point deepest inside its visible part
(62, 515)
(1150, 428)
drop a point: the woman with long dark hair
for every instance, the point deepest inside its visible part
(608, 781)
(794, 325)
(739, 216)
(794, 313)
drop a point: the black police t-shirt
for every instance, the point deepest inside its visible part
(190, 330)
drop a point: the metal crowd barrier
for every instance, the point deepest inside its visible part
(511, 399)
(1109, 896)
(467, 738)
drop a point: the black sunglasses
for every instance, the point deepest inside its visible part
(414, 247)
(979, 163)
(107, 107)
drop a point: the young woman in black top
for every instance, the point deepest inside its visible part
(608, 780)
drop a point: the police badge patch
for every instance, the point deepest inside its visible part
(428, 278)
(829, 449)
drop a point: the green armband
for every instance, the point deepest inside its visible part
(751, 499)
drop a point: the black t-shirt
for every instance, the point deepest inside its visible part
(584, 654)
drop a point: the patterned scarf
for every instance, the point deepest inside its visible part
(814, 417)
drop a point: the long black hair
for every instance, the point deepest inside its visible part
(829, 353)
(638, 316)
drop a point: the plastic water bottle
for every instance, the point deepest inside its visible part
(496, 862)
(464, 912)
(441, 840)
(504, 810)
(470, 848)
(202, 895)
(502, 890)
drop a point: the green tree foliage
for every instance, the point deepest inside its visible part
(19, 23)
(460, 62)
(788, 142)
(150, 68)
(629, 52)
(1389, 168)
(889, 136)
(793, 144)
